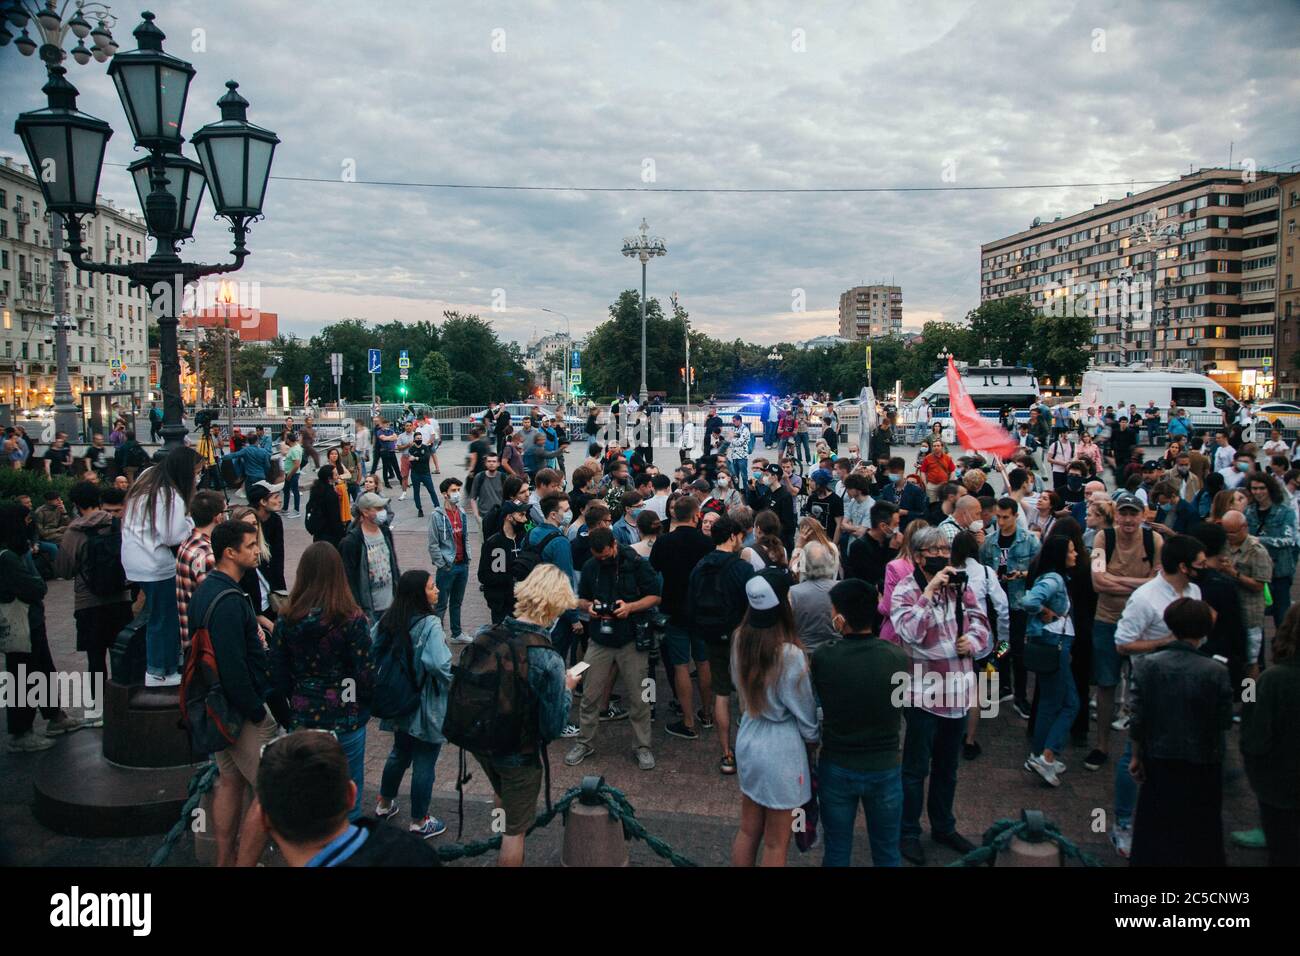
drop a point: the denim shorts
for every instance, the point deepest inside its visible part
(682, 647)
(1106, 662)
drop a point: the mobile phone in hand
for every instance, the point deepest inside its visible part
(578, 669)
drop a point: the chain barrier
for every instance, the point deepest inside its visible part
(1034, 830)
(203, 780)
(613, 798)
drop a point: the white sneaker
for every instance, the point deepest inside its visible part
(1121, 839)
(402, 496)
(1044, 769)
(171, 680)
(1120, 722)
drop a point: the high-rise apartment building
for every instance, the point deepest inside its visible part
(1215, 234)
(1288, 286)
(110, 315)
(870, 311)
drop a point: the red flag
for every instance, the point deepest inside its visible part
(974, 431)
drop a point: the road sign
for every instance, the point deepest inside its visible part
(404, 374)
(403, 359)
(1268, 361)
(122, 378)
(868, 358)
(336, 364)
(115, 364)
(577, 358)
(373, 365)
(306, 379)
(575, 377)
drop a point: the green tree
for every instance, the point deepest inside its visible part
(1000, 329)
(435, 377)
(1056, 346)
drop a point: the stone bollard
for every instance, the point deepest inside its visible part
(1033, 848)
(592, 837)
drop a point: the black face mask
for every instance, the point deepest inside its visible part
(935, 565)
(1074, 482)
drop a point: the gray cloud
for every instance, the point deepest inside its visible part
(885, 94)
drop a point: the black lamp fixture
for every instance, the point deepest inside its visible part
(235, 159)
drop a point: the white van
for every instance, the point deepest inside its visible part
(1201, 396)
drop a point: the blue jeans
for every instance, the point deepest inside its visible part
(1126, 788)
(769, 434)
(1058, 704)
(291, 488)
(1280, 588)
(805, 450)
(49, 549)
(162, 636)
(739, 472)
(425, 479)
(408, 750)
(451, 591)
(931, 747)
(354, 748)
(881, 794)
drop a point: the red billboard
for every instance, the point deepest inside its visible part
(254, 325)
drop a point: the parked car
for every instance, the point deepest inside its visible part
(1281, 415)
(519, 411)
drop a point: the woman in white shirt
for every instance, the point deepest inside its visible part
(687, 443)
(361, 443)
(155, 521)
(984, 584)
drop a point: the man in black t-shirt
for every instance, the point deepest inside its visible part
(825, 505)
(479, 448)
(868, 555)
(58, 456)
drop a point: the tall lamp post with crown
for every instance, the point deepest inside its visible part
(645, 247)
(67, 147)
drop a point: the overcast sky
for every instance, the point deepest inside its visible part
(724, 95)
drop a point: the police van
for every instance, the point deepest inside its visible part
(1199, 395)
(991, 388)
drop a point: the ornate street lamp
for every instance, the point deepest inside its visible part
(644, 247)
(72, 140)
(236, 158)
(1146, 232)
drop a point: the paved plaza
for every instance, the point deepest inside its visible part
(685, 800)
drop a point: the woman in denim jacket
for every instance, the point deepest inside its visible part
(411, 626)
(1047, 602)
(1272, 520)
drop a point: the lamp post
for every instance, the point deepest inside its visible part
(1146, 232)
(236, 163)
(644, 247)
(568, 348)
(53, 27)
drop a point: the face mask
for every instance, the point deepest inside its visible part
(454, 497)
(1243, 466)
(1075, 482)
(956, 473)
(381, 518)
(1184, 470)
(724, 481)
(567, 518)
(935, 565)
(1071, 438)
(1193, 573)
(1164, 508)
(896, 477)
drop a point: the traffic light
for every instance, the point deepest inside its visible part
(401, 390)
(681, 371)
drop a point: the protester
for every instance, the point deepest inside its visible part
(1051, 625)
(1181, 707)
(21, 585)
(616, 588)
(810, 599)
(325, 507)
(516, 776)
(304, 801)
(370, 558)
(990, 595)
(292, 462)
(1248, 564)
(778, 725)
(1011, 552)
(244, 673)
(497, 560)
(942, 628)
(155, 523)
(1273, 522)
(194, 559)
(450, 553)
(870, 553)
(51, 521)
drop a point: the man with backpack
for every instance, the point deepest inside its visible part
(616, 588)
(155, 422)
(716, 603)
(675, 555)
(498, 561)
(1123, 559)
(226, 650)
(90, 553)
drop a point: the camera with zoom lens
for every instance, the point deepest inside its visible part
(650, 630)
(958, 579)
(602, 611)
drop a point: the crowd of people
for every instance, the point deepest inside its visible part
(865, 616)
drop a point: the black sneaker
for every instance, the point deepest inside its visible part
(1021, 709)
(680, 729)
(705, 718)
(1095, 760)
(615, 712)
(676, 707)
(972, 750)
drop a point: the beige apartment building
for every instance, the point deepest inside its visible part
(1215, 233)
(110, 316)
(870, 311)
(1288, 288)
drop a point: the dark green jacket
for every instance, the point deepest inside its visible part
(854, 678)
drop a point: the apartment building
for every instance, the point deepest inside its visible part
(871, 311)
(110, 316)
(1287, 309)
(1215, 234)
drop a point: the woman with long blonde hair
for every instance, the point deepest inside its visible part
(809, 529)
(778, 723)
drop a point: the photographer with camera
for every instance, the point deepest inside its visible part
(617, 588)
(943, 627)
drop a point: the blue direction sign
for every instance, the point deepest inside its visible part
(373, 366)
(577, 358)
(403, 359)
(306, 379)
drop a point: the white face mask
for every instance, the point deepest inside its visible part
(454, 497)
(381, 517)
(723, 481)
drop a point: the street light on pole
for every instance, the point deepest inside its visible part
(52, 26)
(568, 348)
(1146, 232)
(644, 247)
(236, 164)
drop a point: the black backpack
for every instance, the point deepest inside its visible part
(312, 520)
(101, 562)
(1148, 545)
(530, 556)
(396, 691)
(710, 614)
